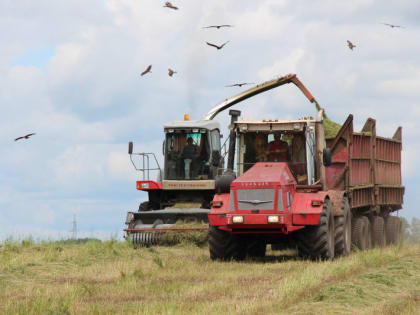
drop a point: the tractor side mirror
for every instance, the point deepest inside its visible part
(326, 156)
(130, 147)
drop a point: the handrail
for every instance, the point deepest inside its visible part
(145, 159)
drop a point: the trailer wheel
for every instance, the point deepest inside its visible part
(224, 245)
(378, 231)
(369, 240)
(256, 248)
(360, 232)
(393, 227)
(317, 242)
(343, 230)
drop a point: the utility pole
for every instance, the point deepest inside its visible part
(74, 230)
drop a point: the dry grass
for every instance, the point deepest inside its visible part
(112, 277)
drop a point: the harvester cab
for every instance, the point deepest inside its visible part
(183, 187)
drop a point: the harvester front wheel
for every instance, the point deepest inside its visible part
(317, 242)
(224, 245)
(343, 230)
(393, 227)
(378, 231)
(145, 206)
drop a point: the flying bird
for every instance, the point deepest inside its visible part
(148, 69)
(240, 84)
(218, 26)
(392, 25)
(350, 44)
(171, 72)
(170, 6)
(218, 47)
(25, 137)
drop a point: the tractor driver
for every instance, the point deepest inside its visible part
(278, 150)
(189, 152)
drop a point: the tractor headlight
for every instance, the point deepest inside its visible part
(237, 219)
(273, 219)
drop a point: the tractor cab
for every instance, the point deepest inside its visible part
(192, 150)
(291, 141)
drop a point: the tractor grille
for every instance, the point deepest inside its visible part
(255, 199)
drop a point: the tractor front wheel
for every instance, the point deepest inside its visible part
(317, 242)
(224, 245)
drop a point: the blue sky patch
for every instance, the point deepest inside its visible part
(38, 57)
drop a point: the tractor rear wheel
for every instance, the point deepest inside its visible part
(393, 227)
(317, 242)
(224, 245)
(343, 230)
(360, 236)
(378, 231)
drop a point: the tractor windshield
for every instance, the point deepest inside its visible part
(187, 154)
(290, 147)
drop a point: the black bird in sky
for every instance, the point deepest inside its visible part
(239, 84)
(171, 72)
(170, 6)
(392, 25)
(218, 47)
(218, 26)
(350, 44)
(25, 137)
(148, 69)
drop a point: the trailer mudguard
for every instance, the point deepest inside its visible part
(307, 207)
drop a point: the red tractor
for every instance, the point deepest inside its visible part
(294, 187)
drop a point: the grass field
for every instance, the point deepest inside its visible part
(112, 277)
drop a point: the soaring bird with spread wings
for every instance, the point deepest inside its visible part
(350, 44)
(25, 137)
(239, 84)
(148, 69)
(218, 26)
(392, 25)
(170, 6)
(216, 46)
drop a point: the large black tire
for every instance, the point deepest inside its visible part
(224, 245)
(378, 231)
(393, 227)
(342, 225)
(256, 248)
(317, 242)
(360, 236)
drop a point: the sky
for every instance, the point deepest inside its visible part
(70, 71)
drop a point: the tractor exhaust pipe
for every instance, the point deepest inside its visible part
(232, 138)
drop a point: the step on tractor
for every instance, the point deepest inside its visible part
(193, 167)
(295, 188)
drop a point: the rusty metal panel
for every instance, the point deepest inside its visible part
(388, 161)
(360, 172)
(361, 197)
(388, 196)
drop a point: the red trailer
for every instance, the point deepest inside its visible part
(320, 195)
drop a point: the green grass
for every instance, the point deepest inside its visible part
(111, 277)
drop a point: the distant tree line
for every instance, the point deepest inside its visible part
(411, 231)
